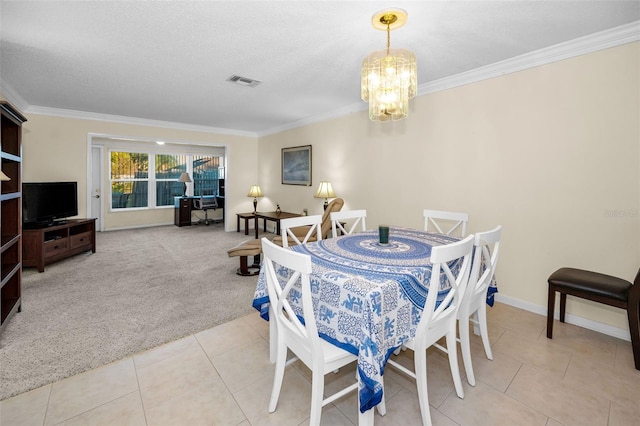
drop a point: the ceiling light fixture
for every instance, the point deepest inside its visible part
(389, 77)
(243, 81)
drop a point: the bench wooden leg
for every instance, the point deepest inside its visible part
(563, 305)
(633, 312)
(245, 269)
(551, 306)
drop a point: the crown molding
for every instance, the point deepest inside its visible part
(340, 112)
(67, 113)
(12, 96)
(617, 36)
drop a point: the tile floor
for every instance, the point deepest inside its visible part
(222, 376)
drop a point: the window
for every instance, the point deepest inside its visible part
(132, 183)
(168, 169)
(129, 180)
(205, 175)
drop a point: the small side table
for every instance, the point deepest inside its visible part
(246, 217)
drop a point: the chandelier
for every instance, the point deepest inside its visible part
(389, 77)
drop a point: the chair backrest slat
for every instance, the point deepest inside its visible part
(287, 273)
(357, 216)
(286, 229)
(438, 218)
(451, 265)
(485, 259)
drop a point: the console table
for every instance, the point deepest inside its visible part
(42, 246)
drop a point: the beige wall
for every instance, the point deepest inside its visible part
(551, 153)
(55, 148)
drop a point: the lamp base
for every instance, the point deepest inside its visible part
(326, 203)
(255, 205)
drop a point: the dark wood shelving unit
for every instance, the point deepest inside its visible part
(10, 212)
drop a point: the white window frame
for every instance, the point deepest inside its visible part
(151, 179)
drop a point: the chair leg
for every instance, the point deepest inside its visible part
(452, 352)
(465, 345)
(420, 365)
(633, 312)
(382, 407)
(551, 307)
(484, 330)
(278, 375)
(273, 336)
(317, 391)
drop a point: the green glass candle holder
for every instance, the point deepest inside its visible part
(383, 234)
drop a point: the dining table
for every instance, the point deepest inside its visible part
(368, 297)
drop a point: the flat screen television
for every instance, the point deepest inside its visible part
(47, 203)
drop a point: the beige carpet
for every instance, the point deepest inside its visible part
(142, 288)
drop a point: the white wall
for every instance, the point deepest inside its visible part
(551, 153)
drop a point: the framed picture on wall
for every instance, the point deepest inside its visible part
(296, 165)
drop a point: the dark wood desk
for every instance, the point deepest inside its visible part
(274, 217)
(185, 205)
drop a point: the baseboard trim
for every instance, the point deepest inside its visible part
(137, 226)
(609, 330)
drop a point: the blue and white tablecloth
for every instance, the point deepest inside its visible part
(368, 298)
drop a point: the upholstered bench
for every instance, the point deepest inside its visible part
(600, 288)
(244, 250)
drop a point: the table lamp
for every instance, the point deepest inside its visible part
(325, 191)
(255, 192)
(184, 178)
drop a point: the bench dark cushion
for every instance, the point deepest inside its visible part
(591, 282)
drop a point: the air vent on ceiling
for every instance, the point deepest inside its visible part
(243, 81)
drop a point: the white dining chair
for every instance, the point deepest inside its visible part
(474, 302)
(355, 217)
(450, 264)
(452, 220)
(288, 235)
(320, 356)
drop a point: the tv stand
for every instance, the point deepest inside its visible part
(42, 246)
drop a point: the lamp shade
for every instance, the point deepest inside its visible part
(184, 177)
(4, 177)
(255, 191)
(325, 190)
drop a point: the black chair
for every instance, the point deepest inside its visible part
(205, 203)
(600, 288)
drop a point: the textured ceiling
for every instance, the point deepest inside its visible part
(169, 60)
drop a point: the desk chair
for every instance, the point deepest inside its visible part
(205, 204)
